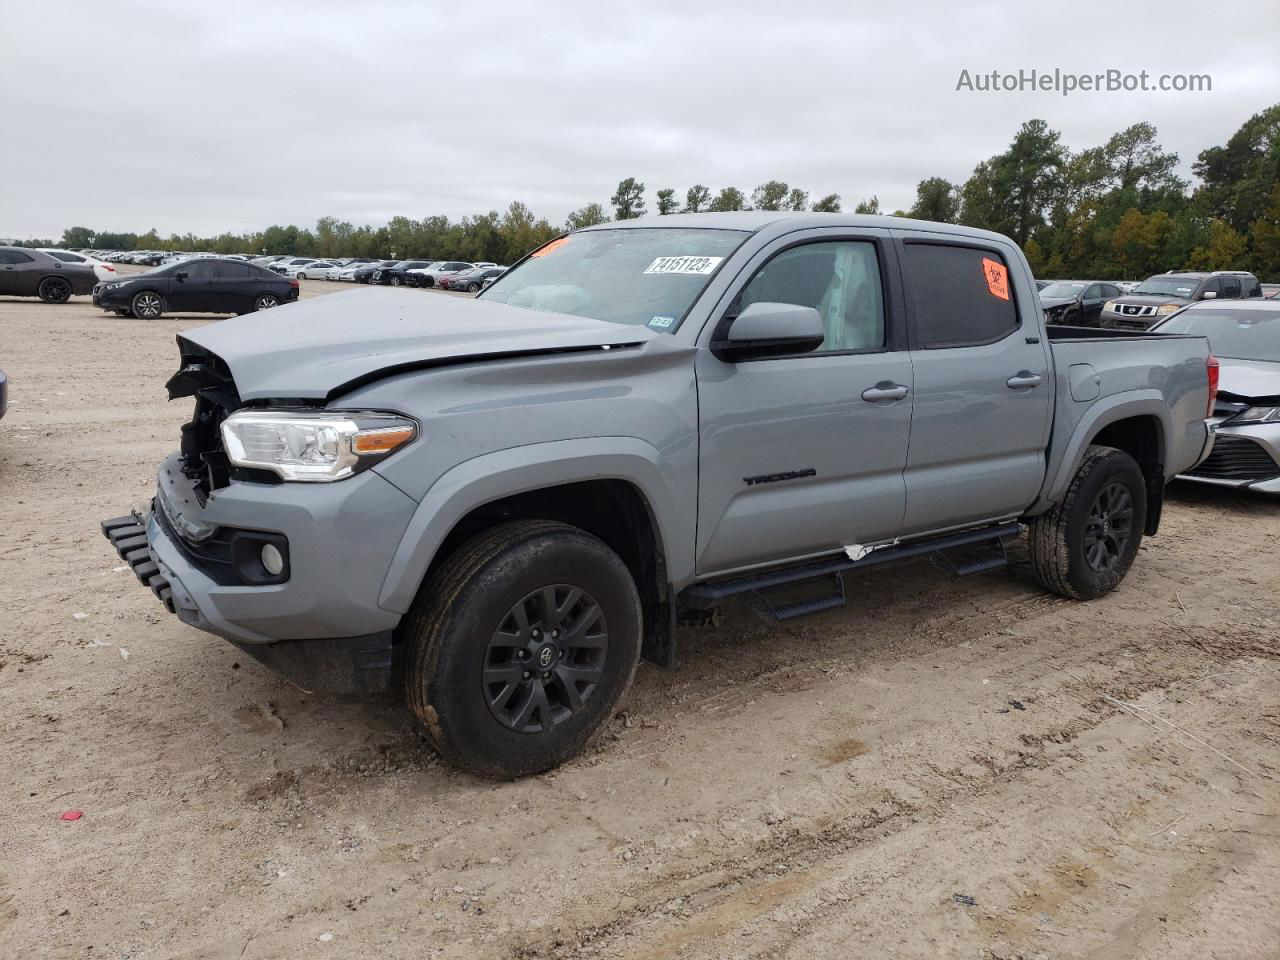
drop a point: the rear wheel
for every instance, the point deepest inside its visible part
(54, 290)
(1084, 546)
(520, 646)
(265, 301)
(146, 305)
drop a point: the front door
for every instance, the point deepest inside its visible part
(803, 455)
(981, 418)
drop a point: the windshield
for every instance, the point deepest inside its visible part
(1238, 334)
(644, 276)
(1063, 288)
(1182, 287)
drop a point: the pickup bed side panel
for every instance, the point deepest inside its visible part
(1163, 378)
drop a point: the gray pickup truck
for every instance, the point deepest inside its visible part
(498, 505)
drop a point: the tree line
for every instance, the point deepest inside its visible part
(1116, 210)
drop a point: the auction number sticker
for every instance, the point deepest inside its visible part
(698, 266)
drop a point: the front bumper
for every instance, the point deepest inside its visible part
(322, 627)
(1243, 457)
(117, 299)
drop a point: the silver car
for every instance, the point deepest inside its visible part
(1245, 337)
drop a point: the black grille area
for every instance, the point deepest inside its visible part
(1237, 458)
(205, 377)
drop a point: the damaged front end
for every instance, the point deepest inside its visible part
(205, 377)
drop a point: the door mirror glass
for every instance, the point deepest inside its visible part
(770, 330)
(1210, 295)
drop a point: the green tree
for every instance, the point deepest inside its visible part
(77, 237)
(1013, 191)
(868, 206)
(1264, 238)
(1238, 178)
(797, 199)
(828, 204)
(730, 198)
(667, 202)
(587, 216)
(937, 199)
(628, 199)
(696, 198)
(1224, 251)
(770, 196)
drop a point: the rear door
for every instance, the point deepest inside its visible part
(11, 273)
(803, 454)
(235, 287)
(1091, 305)
(981, 418)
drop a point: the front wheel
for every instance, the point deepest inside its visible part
(520, 646)
(394, 281)
(473, 288)
(1083, 547)
(146, 305)
(54, 290)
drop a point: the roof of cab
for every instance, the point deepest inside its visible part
(785, 221)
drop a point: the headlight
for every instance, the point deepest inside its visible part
(1257, 415)
(313, 447)
(1109, 307)
(1167, 308)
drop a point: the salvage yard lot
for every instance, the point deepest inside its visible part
(1102, 779)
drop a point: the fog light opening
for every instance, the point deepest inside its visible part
(272, 560)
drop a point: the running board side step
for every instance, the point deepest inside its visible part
(707, 594)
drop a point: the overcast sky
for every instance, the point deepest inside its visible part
(233, 116)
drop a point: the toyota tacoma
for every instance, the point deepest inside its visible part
(499, 505)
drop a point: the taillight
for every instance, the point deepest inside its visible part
(1212, 365)
(294, 283)
(109, 269)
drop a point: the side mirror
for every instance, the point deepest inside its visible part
(770, 330)
(1209, 295)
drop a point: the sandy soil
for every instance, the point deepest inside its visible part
(832, 788)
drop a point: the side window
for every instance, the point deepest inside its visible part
(1231, 288)
(840, 279)
(233, 270)
(14, 256)
(1252, 288)
(65, 257)
(1211, 286)
(1110, 290)
(202, 270)
(962, 295)
(1093, 292)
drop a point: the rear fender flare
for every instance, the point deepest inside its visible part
(1108, 410)
(515, 470)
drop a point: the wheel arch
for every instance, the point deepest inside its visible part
(1137, 423)
(615, 493)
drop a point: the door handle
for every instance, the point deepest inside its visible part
(886, 391)
(1024, 379)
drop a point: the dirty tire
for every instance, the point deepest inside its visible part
(1059, 538)
(459, 610)
(54, 290)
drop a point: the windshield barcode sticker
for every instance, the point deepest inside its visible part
(699, 266)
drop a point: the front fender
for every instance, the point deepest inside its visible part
(1065, 456)
(534, 466)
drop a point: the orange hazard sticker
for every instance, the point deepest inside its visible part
(555, 244)
(997, 278)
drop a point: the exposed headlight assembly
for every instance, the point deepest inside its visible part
(1257, 415)
(313, 447)
(1167, 308)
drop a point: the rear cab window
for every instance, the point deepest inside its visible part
(960, 296)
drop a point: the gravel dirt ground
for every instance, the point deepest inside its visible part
(945, 768)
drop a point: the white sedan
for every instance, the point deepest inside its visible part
(315, 270)
(101, 269)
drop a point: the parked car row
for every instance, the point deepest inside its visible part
(1108, 304)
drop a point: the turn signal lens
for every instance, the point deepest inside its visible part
(381, 441)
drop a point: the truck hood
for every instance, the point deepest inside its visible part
(1248, 379)
(326, 346)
